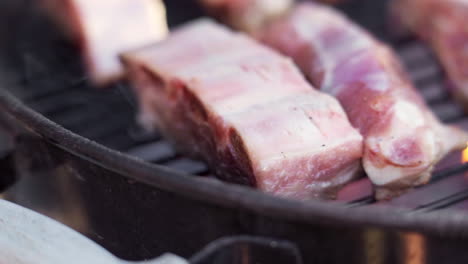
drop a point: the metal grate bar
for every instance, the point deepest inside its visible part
(113, 124)
(85, 116)
(432, 193)
(141, 136)
(460, 205)
(32, 94)
(433, 94)
(444, 203)
(187, 165)
(154, 152)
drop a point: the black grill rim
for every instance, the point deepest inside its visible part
(444, 223)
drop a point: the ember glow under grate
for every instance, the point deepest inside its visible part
(464, 156)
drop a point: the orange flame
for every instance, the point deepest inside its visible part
(464, 157)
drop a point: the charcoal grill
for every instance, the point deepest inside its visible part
(74, 153)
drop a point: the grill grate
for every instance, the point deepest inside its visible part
(46, 74)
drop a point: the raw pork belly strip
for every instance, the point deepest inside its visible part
(246, 110)
(98, 26)
(442, 23)
(402, 138)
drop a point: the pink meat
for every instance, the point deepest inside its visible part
(442, 23)
(246, 110)
(402, 138)
(251, 15)
(247, 15)
(98, 26)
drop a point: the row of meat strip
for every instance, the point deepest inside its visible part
(298, 106)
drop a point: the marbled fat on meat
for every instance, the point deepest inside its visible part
(403, 140)
(246, 110)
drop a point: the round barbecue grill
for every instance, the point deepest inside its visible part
(74, 153)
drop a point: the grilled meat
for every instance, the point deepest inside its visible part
(245, 110)
(441, 23)
(403, 140)
(102, 33)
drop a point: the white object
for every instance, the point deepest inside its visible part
(27, 237)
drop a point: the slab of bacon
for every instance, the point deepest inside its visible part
(246, 110)
(442, 23)
(102, 33)
(403, 140)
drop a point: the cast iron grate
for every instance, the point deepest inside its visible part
(44, 71)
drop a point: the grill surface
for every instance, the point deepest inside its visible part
(138, 210)
(44, 71)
